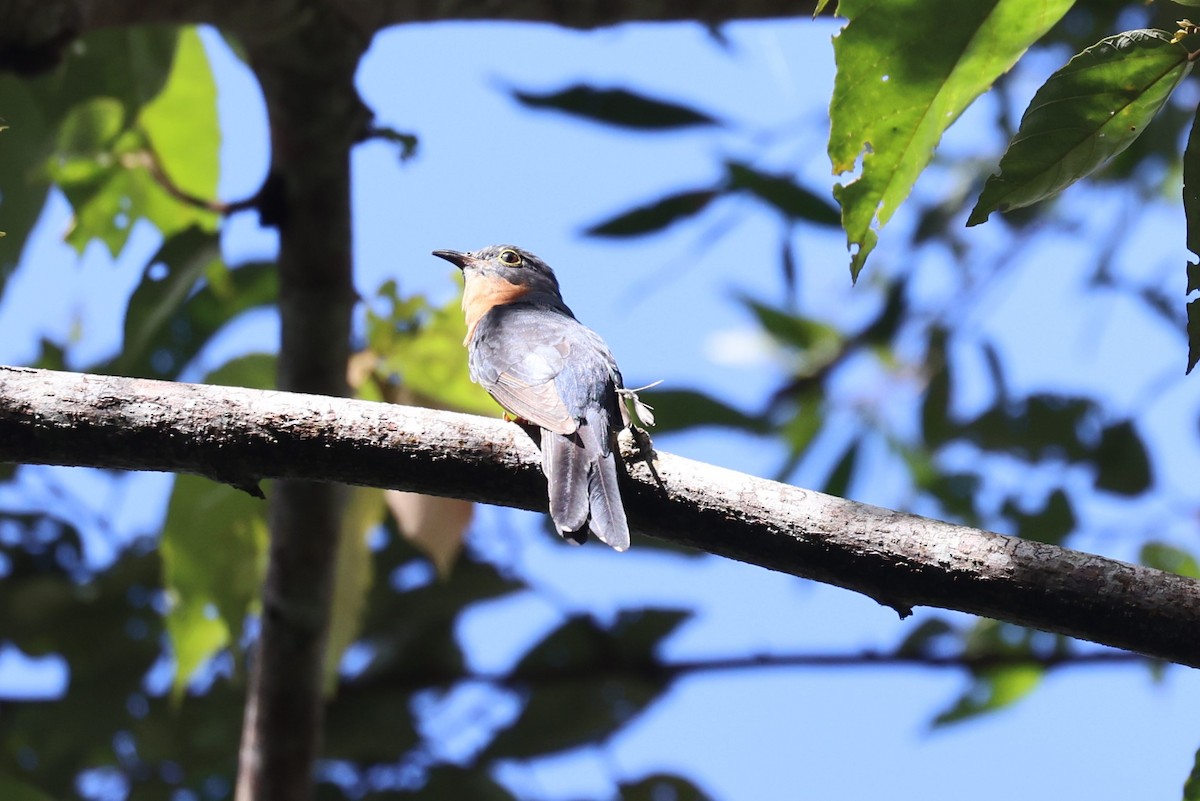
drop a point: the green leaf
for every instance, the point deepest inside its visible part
(1052, 523)
(1086, 113)
(15, 790)
(838, 482)
(992, 690)
(181, 122)
(906, 70)
(816, 343)
(352, 581)
(1191, 787)
(604, 677)
(617, 107)
(424, 347)
(655, 216)
(681, 409)
(1122, 463)
(1166, 557)
(783, 194)
(213, 550)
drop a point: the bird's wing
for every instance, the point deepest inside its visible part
(517, 361)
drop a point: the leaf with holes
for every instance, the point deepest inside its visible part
(906, 70)
(1086, 113)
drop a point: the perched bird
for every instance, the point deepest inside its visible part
(526, 348)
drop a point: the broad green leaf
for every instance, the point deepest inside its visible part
(1191, 787)
(992, 690)
(816, 344)
(906, 70)
(353, 577)
(214, 546)
(181, 122)
(427, 354)
(116, 182)
(1086, 113)
(125, 64)
(213, 549)
(617, 107)
(187, 294)
(655, 216)
(783, 194)
(1166, 557)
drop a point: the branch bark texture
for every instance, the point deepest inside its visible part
(902, 560)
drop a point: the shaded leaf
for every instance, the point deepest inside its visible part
(1052, 523)
(782, 193)
(364, 510)
(1191, 787)
(1086, 113)
(1123, 465)
(892, 100)
(1193, 331)
(928, 639)
(681, 409)
(655, 216)
(662, 787)
(838, 482)
(617, 107)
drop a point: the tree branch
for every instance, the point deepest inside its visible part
(240, 436)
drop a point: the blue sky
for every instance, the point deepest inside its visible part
(489, 171)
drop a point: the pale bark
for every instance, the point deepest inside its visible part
(902, 560)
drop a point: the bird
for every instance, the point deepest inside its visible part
(542, 365)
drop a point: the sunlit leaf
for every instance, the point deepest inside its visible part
(617, 107)
(213, 550)
(992, 690)
(181, 122)
(1167, 557)
(905, 71)
(655, 216)
(1085, 114)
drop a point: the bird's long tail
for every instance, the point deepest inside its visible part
(581, 471)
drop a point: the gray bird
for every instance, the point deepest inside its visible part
(526, 348)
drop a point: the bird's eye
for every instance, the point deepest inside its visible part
(510, 257)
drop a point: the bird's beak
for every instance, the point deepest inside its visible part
(459, 260)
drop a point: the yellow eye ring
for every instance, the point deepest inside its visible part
(510, 258)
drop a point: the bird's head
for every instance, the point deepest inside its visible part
(526, 272)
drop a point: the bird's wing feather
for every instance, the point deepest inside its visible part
(518, 361)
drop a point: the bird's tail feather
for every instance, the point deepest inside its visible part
(565, 463)
(608, 521)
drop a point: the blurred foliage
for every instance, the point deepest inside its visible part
(154, 640)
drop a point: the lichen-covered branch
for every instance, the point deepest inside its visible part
(240, 436)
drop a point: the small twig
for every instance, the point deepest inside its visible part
(148, 160)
